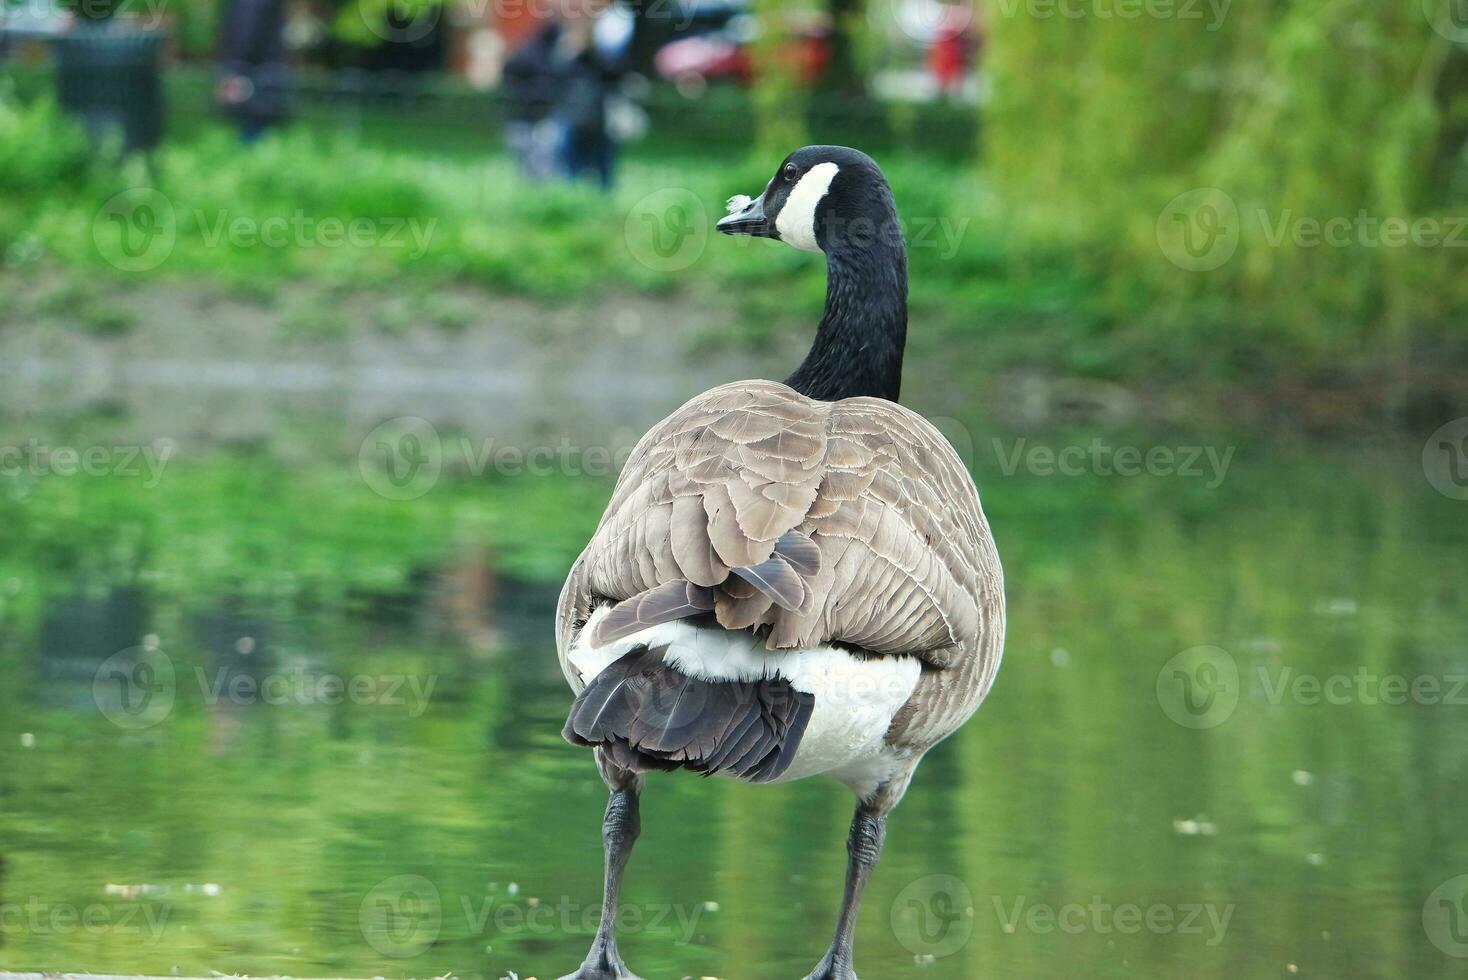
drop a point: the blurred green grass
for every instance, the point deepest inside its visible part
(1032, 283)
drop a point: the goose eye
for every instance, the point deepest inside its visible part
(790, 171)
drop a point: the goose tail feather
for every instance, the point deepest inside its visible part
(648, 716)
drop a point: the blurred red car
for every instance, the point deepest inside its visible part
(726, 54)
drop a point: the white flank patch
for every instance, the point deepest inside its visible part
(796, 222)
(856, 698)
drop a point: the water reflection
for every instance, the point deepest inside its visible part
(325, 741)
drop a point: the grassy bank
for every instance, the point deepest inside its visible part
(348, 213)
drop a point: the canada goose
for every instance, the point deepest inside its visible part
(790, 579)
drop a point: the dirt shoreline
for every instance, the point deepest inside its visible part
(196, 356)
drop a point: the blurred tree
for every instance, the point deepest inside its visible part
(1292, 111)
(844, 71)
(779, 100)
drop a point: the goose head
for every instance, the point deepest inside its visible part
(834, 199)
(820, 199)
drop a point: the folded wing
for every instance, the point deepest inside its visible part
(850, 521)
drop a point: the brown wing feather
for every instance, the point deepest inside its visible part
(850, 521)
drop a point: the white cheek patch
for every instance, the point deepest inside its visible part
(796, 222)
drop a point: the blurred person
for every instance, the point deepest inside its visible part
(253, 73)
(530, 90)
(954, 50)
(563, 87)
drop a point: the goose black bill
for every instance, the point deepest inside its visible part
(748, 220)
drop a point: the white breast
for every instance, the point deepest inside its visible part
(855, 697)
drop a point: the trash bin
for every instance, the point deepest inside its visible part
(108, 74)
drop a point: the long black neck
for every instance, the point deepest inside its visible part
(858, 346)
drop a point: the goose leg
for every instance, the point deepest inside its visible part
(863, 847)
(619, 831)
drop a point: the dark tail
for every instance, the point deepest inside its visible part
(647, 716)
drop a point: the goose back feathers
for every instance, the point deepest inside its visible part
(850, 522)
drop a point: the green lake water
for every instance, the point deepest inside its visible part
(1229, 739)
